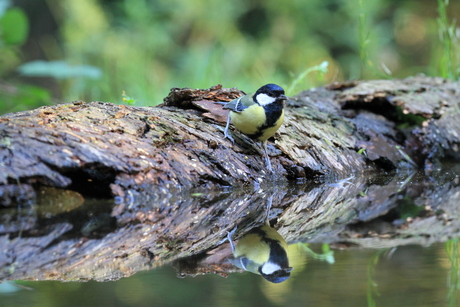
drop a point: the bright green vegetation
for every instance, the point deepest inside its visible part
(102, 48)
(450, 59)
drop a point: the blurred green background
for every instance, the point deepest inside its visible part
(63, 50)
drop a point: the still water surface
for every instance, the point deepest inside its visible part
(397, 211)
(404, 276)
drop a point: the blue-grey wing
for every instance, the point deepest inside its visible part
(240, 262)
(235, 105)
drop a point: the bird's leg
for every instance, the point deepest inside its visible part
(230, 238)
(226, 134)
(269, 206)
(267, 158)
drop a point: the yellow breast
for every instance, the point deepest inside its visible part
(252, 120)
(255, 247)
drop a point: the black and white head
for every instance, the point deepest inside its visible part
(268, 94)
(274, 273)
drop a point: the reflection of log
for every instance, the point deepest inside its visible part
(151, 158)
(97, 148)
(359, 211)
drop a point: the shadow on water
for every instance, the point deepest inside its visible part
(330, 228)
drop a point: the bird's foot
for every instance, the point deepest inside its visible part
(230, 237)
(228, 136)
(269, 164)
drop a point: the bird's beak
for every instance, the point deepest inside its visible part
(282, 97)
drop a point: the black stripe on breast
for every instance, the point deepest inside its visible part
(273, 112)
(277, 252)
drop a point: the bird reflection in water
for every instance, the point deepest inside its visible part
(262, 251)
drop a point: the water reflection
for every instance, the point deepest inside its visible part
(453, 279)
(352, 220)
(263, 251)
(408, 276)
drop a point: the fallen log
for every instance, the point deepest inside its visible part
(102, 149)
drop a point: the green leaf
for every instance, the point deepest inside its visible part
(14, 27)
(130, 101)
(59, 70)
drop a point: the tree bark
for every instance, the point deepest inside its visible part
(102, 149)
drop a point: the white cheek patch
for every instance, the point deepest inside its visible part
(270, 267)
(264, 99)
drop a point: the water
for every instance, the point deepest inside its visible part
(370, 241)
(405, 276)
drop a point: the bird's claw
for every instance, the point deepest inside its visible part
(231, 233)
(230, 238)
(228, 136)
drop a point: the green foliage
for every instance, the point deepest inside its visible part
(22, 97)
(372, 286)
(14, 27)
(147, 47)
(365, 42)
(327, 255)
(59, 70)
(321, 69)
(453, 282)
(449, 62)
(126, 99)
(14, 30)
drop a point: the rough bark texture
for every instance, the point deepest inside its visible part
(170, 170)
(180, 144)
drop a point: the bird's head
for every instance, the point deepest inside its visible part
(268, 94)
(274, 273)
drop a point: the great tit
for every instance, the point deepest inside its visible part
(262, 251)
(259, 115)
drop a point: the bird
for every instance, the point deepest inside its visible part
(262, 251)
(258, 115)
